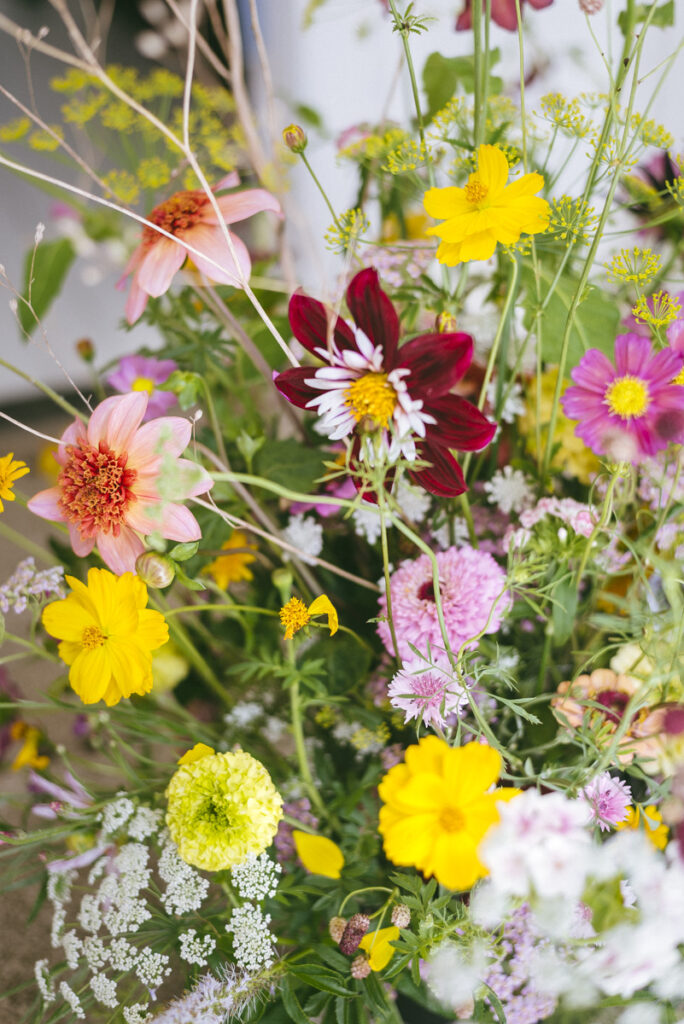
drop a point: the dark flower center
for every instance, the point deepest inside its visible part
(614, 702)
(426, 591)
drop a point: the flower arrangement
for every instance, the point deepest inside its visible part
(363, 601)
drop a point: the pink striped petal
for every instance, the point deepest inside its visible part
(46, 505)
(166, 435)
(116, 420)
(241, 205)
(119, 553)
(211, 243)
(162, 261)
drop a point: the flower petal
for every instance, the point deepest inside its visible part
(292, 385)
(374, 313)
(436, 362)
(313, 324)
(216, 260)
(318, 854)
(240, 205)
(120, 553)
(116, 420)
(459, 424)
(167, 434)
(443, 476)
(46, 505)
(154, 275)
(470, 771)
(492, 169)
(443, 203)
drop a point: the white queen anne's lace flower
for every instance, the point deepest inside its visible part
(252, 940)
(256, 878)
(305, 534)
(509, 490)
(195, 949)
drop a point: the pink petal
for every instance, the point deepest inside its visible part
(46, 505)
(198, 473)
(132, 265)
(116, 420)
(211, 243)
(241, 205)
(73, 435)
(180, 524)
(231, 180)
(162, 261)
(119, 553)
(136, 302)
(82, 546)
(145, 516)
(168, 434)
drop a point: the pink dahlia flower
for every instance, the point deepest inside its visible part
(504, 13)
(139, 373)
(631, 410)
(115, 478)
(190, 218)
(470, 582)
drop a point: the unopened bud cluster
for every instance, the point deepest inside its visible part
(336, 927)
(401, 916)
(356, 928)
(360, 967)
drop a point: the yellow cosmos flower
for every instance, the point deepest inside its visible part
(221, 808)
(295, 615)
(652, 824)
(378, 947)
(487, 211)
(232, 568)
(107, 635)
(10, 472)
(318, 854)
(437, 809)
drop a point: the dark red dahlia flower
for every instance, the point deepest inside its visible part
(371, 388)
(503, 13)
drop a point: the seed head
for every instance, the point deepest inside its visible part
(356, 928)
(336, 927)
(360, 967)
(401, 916)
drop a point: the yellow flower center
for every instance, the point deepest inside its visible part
(294, 615)
(372, 396)
(143, 384)
(92, 637)
(451, 819)
(475, 192)
(679, 379)
(628, 397)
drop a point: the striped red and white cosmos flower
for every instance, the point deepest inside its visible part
(370, 388)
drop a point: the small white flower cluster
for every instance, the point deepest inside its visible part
(513, 401)
(115, 814)
(145, 823)
(151, 968)
(413, 501)
(194, 949)
(510, 490)
(305, 534)
(252, 940)
(137, 1014)
(442, 538)
(27, 582)
(243, 713)
(43, 980)
(185, 887)
(366, 519)
(59, 893)
(256, 878)
(104, 990)
(69, 996)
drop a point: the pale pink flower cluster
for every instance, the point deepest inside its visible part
(426, 692)
(579, 517)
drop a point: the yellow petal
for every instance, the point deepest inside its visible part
(377, 945)
(528, 185)
(324, 606)
(67, 619)
(492, 167)
(478, 247)
(90, 674)
(449, 254)
(470, 771)
(318, 854)
(197, 752)
(443, 203)
(455, 863)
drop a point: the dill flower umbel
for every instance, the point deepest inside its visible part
(107, 635)
(221, 809)
(486, 211)
(11, 470)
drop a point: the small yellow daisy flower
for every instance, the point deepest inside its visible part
(107, 635)
(653, 826)
(486, 211)
(232, 568)
(295, 615)
(10, 472)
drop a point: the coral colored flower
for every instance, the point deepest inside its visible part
(232, 568)
(631, 410)
(295, 615)
(378, 946)
(107, 635)
(470, 582)
(487, 211)
(504, 13)
(190, 218)
(437, 809)
(10, 472)
(318, 854)
(370, 388)
(140, 373)
(652, 824)
(221, 809)
(116, 477)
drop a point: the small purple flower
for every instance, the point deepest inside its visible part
(631, 410)
(425, 692)
(284, 843)
(141, 373)
(608, 799)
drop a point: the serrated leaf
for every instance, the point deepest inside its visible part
(43, 279)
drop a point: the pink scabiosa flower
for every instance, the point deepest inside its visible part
(191, 219)
(608, 799)
(369, 387)
(631, 410)
(426, 692)
(140, 373)
(119, 480)
(470, 582)
(503, 13)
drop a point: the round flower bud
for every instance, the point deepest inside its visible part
(356, 928)
(154, 569)
(445, 323)
(295, 138)
(85, 349)
(360, 967)
(591, 6)
(401, 915)
(336, 927)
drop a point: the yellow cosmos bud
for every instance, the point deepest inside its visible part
(378, 946)
(199, 751)
(295, 138)
(319, 855)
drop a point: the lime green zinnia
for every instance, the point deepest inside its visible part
(221, 809)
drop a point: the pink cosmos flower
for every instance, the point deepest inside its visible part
(504, 13)
(115, 478)
(139, 373)
(470, 583)
(190, 218)
(631, 410)
(609, 799)
(425, 692)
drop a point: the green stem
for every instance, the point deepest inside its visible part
(27, 545)
(385, 569)
(298, 733)
(320, 189)
(47, 390)
(606, 513)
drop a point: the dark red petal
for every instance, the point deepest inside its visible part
(291, 384)
(443, 476)
(459, 424)
(374, 313)
(436, 362)
(313, 323)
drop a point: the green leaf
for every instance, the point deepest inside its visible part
(322, 979)
(292, 1006)
(442, 77)
(181, 552)
(663, 17)
(289, 463)
(187, 582)
(564, 610)
(2, 629)
(343, 1010)
(43, 279)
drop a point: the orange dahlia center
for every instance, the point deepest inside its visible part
(96, 489)
(177, 214)
(475, 191)
(451, 819)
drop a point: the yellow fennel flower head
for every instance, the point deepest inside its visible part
(232, 567)
(221, 809)
(295, 615)
(107, 635)
(10, 471)
(651, 821)
(486, 211)
(318, 854)
(571, 457)
(378, 946)
(437, 808)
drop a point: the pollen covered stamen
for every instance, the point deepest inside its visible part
(475, 191)
(143, 384)
(373, 396)
(627, 397)
(177, 214)
(451, 820)
(96, 489)
(92, 637)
